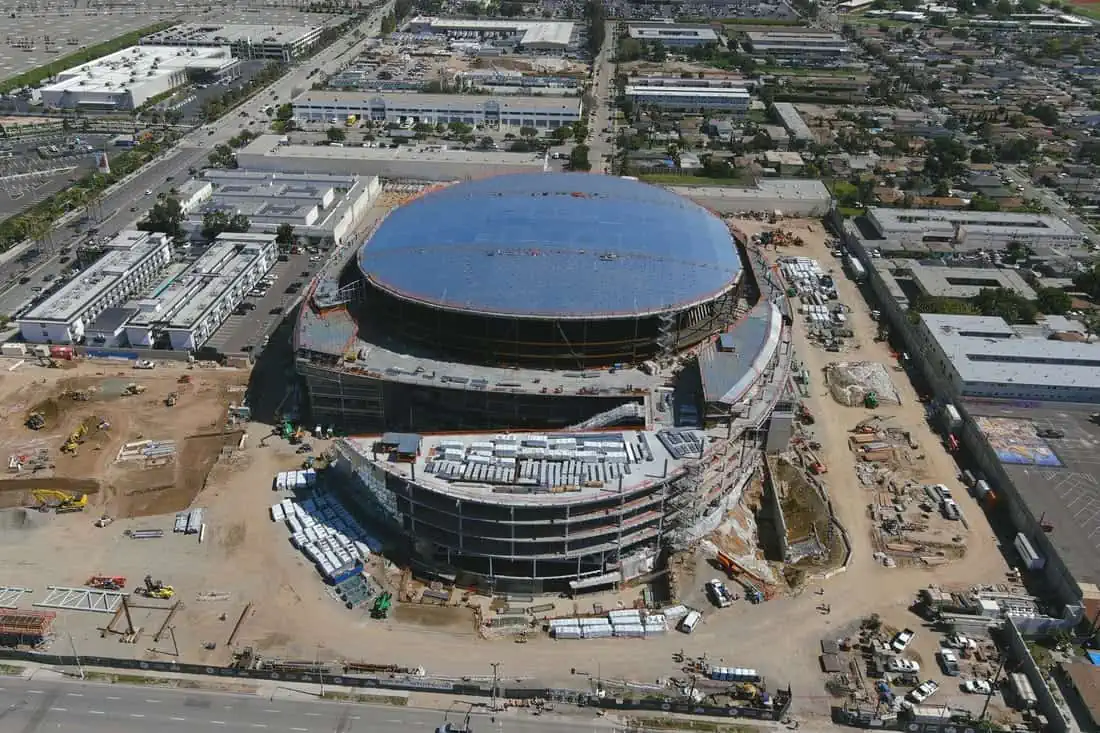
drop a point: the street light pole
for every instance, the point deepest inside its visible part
(496, 668)
(79, 666)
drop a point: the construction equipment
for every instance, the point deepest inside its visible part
(171, 399)
(184, 379)
(756, 590)
(381, 607)
(75, 439)
(156, 589)
(104, 521)
(871, 400)
(76, 395)
(60, 501)
(804, 415)
(35, 421)
(106, 582)
(133, 388)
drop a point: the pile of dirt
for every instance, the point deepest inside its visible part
(851, 381)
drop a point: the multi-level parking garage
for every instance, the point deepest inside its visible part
(559, 303)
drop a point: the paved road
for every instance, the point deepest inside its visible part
(172, 169)
(1048, 198)
(28, 706)
(601, 144)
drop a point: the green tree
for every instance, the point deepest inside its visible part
(336, 134)
(580, 132)
(1053, 301)
(561, 134)
(578, 159)
(1008, 304)
(165, 216)
(284, 235)
(217, 222)
(285, 112)
(528, 132)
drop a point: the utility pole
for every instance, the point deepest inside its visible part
(992, 689)
(79, 666)
(496, 669)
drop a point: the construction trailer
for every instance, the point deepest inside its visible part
(26, 628)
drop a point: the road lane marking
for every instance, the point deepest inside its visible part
(394, 720)
(35, 692)
(60, 710)
(259, 725)
(269, 710)
(75, 694)
(217, 722)
(96, 712)
(178, 720)
(113, 698)
(313, 715)
(301, 730)
(136, 715)
(153, 701)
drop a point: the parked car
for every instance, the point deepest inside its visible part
(718, 593)
(949, 661)
(977, 687)
(902, 665)
(1052, 433)
(902, 640)
(923, 691)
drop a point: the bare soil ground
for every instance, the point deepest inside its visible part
(250, 559)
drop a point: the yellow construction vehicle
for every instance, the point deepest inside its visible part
(156, 589)
(60, 501)
(75, 439)
(133, 388)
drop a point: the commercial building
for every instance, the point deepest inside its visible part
(732, 100)
(186, 310)
(512, 111)
(526, 35)
(412, 162)
(506, 81)
(792, 121)
(132, 262)
(962, 282)
(968, 230)
(673, 36)
(323, 208)
(983, 357)
(794, 47)
(128, 78)
(247, 41)
(787, 196)
(547, 309)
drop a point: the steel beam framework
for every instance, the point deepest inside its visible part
(81, 599)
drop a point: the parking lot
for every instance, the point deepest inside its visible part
(247, 330)
(27, 175)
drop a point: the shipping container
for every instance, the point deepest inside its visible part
(1032, 559)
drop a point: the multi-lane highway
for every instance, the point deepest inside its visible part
(172, 168)
(30, 706)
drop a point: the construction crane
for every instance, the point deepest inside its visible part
(156, 589)
(60, 501)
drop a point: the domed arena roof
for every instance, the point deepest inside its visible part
(565, 245)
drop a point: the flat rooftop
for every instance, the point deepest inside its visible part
(795, 189)
(139, 64)
(412, 100)
(204, 34)
(269, 146)
(701, 34)
(303, 199)
(796, 38)
(545, 468)
(697, 92)
(963, 282)
(555, 32)
(984, 349)
(124, 253)
(186, 300)
(946, 222)
(1058, 480)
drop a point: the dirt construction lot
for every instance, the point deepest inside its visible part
(246, 558)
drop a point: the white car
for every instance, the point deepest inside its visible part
(148, 192)
(902, 639)
(902, 665)
(923, 691)
(977, 687)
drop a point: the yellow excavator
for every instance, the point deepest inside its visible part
(75, 439)
(155, 589)
(60, 501)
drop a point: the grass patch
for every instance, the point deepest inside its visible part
(134, 679)
(689, 724)
(368, 699)
(671, 179)
(1089, 11)
(850, 211)
(36, 76)
(8, 670)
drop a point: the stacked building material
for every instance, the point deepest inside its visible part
(26, 628)
(327, 534)
(295, 479)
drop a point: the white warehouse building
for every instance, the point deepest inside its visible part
(132, 76)
(247, 41)
(539, 112)
(732, 100)
(323, 208)
(528, 35)
(984, 357)
(191, 306)
(970, 230)
(132, 262)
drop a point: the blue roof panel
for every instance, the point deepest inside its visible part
(557, 244)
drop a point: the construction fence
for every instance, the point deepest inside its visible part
(654, 703)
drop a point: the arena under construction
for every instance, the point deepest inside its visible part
(627, 366)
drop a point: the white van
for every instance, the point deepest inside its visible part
(690, 622)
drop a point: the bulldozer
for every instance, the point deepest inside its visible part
(171, 399)
(156, 589)
(61, 502)
(133, 388)
(35, 421)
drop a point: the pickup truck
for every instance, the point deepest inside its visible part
(719, 594)
(923, 691)
(902, 640)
